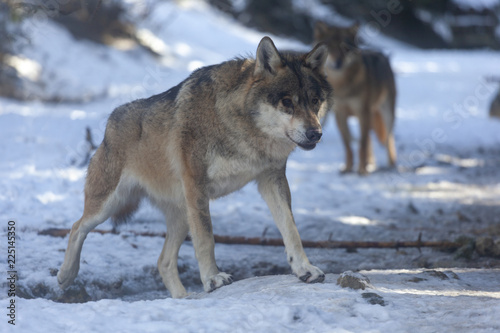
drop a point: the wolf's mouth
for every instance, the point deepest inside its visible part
(305, 146)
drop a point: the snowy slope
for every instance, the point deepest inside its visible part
(283, 304)
(446, 186)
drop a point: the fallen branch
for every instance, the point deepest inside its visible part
(90, 147)
(329, 244)
(88, 138)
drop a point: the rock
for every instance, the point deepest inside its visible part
(353, 280)
(437, 274)
(442, 275)
(452, 274)
(373, 298)
(416, 279)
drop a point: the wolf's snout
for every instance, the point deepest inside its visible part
(313, 135)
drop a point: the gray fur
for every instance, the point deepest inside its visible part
(222, 127)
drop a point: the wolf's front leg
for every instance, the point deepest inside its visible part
(200, 226)
(273, 186)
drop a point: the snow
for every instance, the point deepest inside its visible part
(447, 185)
(283, 304)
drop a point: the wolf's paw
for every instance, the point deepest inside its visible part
(181, 293)
(345, 170)
(311, 274)
(65, 278)
(363, 172)
(217, 281)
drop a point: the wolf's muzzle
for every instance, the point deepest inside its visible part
(313, 135)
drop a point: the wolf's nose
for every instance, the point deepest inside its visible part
(313, 135)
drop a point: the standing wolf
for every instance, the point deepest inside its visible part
(364, 87)
(222, 127)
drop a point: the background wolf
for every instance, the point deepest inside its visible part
(222, 127)
(364, 87)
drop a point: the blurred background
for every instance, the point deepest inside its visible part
(426, 24)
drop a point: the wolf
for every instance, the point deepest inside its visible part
(221, 128)
(364, 87)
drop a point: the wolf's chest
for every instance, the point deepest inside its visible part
(229, 175)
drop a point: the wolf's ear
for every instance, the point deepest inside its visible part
(268, 59)
(317, 57)
(320, 29)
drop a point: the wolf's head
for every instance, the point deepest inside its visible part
(340, 41)
(290, 92)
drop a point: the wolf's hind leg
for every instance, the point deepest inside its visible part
(105, 195)
(91, 218)
(371, 161)
(341, 119)
(121, 203)
(177, 230)
(364, 144)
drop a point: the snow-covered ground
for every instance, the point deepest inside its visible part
(447, 185)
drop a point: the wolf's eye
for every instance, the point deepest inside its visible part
(315, 101)
(287, 102)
